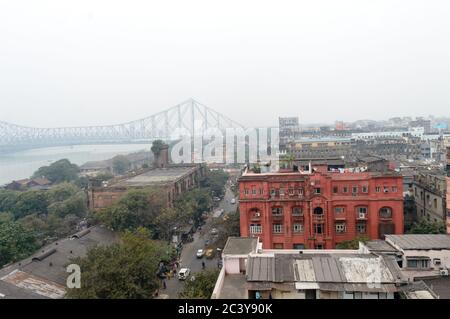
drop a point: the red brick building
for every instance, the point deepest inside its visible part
(319, 209)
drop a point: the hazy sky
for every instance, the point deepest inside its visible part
(68, 63)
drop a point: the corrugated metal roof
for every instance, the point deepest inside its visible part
(261, 269)
(419, 241)
(304, 270)
(327, 269)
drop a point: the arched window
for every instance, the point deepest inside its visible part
(255, 213)
(297, 211)
(386, 212)
(318, 211)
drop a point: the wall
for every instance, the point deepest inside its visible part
(231, 265)
(444, 255)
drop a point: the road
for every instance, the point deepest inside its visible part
(188, 255)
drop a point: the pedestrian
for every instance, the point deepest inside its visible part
(164, 284)
(203, 264)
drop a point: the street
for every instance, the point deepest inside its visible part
(188, 255)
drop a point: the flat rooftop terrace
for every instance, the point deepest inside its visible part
(155, 176)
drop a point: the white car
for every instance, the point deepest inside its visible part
(233, 201)
(183, 273)
(214, 231)
(200, 253)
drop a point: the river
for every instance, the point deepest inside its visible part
(23, 164)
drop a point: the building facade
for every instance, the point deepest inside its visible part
(429, 192)
(319, 209)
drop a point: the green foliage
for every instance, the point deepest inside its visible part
(30, 202)
(43, 215)
(8, 199)
(6, 217)
(98, 180)
(74, 205)
(15, 242)
(157, 146)
(59, 171)
(121, 164)
(352, 244)
(62, 192)
(121, 271)
(215, 181)
(203, 285)
(137, 208)
(427, 227)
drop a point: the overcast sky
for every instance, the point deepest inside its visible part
(69, 63)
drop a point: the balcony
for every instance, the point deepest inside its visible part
(361, 216)
(277, 216)
(318, 217)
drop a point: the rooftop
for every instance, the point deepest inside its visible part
(419, 241)
(240, 246)
(44, 273)
(325, 268)
(156, 176)
(379, 245)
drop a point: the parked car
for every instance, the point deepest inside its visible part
(216, 199)
(200, 253)
(233, 201)
(214, 231)
(183, 274)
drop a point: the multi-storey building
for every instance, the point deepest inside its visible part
(289, 130)
(429, 192)
(319, 208)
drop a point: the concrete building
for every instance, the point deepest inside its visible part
(44, 275)
(250, 272)
(174, 180)
(424, 261)
(429, 193)
(29, 184)
(319, 208)
(289, 130)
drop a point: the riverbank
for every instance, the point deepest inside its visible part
(22, 164)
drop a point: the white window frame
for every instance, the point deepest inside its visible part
(298, 228)
(277, 228)
(255, 229)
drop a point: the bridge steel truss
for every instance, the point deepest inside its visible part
(188, 116)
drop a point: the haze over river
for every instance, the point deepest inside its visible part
(23, 164)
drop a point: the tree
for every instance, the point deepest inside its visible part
(427, 227)
(62, 192)
(8, 200)
(15, 242)
(203, 285)
(30, 202)
(59, 171)
(215, 181)
(98, 180)
(352, 244)
(74, 205)
(121, 164)
(121, 271)
(288, 160)
(157, 146)
(137, 208)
